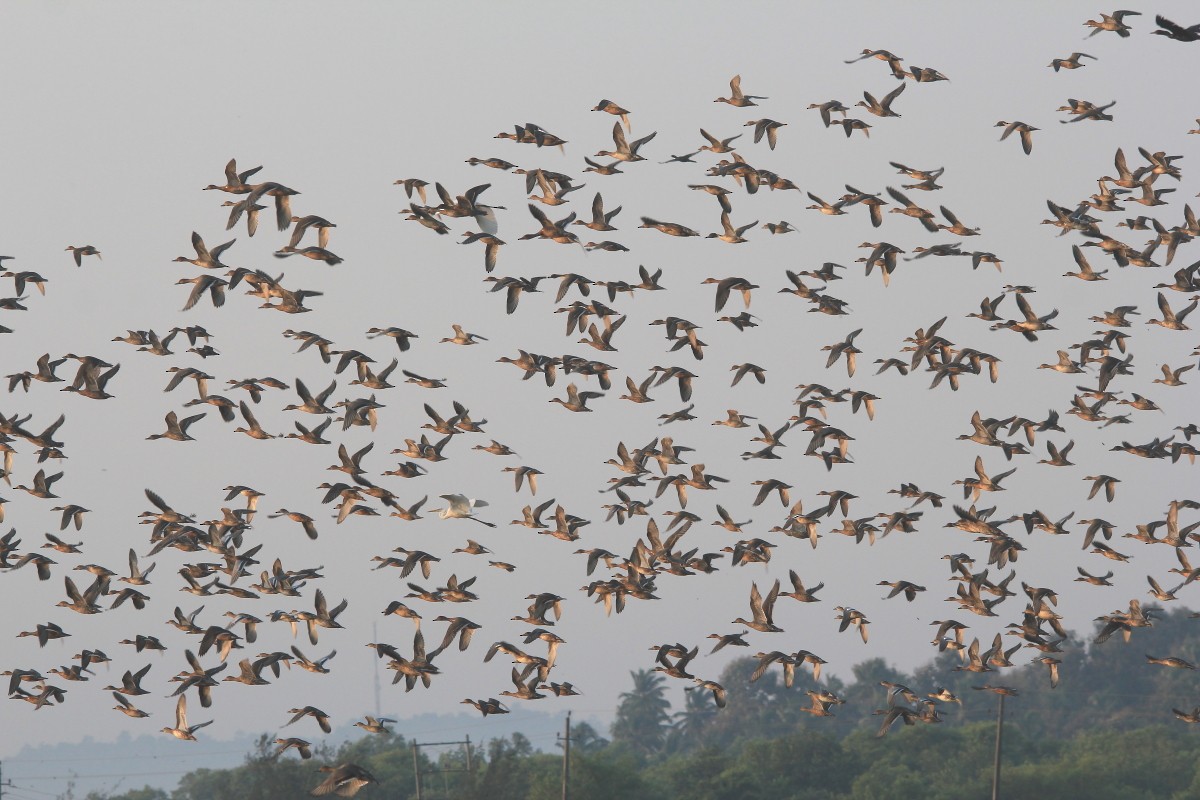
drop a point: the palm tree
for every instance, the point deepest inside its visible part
(586, 740)
(690, 723)
(643, 715)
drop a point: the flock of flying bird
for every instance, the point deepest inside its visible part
(665, 467)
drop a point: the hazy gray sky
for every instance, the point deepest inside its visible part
(118, 114)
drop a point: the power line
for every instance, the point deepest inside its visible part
(110, 758)
(37, 791)
(21, 797)
(100, 775)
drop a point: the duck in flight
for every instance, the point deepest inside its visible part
(736, 97)
(1023, 129)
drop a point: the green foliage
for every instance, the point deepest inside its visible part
(505, 773)
(262, 777)
(697, 775)
(886, 781)
(608, 773)
(585, 739)
(933, 762)
(145, 793)
(804, 766)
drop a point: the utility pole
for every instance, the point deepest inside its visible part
(566, 769)
(417, 769)
(416, 749)
(999, 739)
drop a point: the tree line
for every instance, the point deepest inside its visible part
(1107, 731)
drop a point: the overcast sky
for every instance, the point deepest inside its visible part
(119, 114)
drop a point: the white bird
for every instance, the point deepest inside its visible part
(459, 506)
